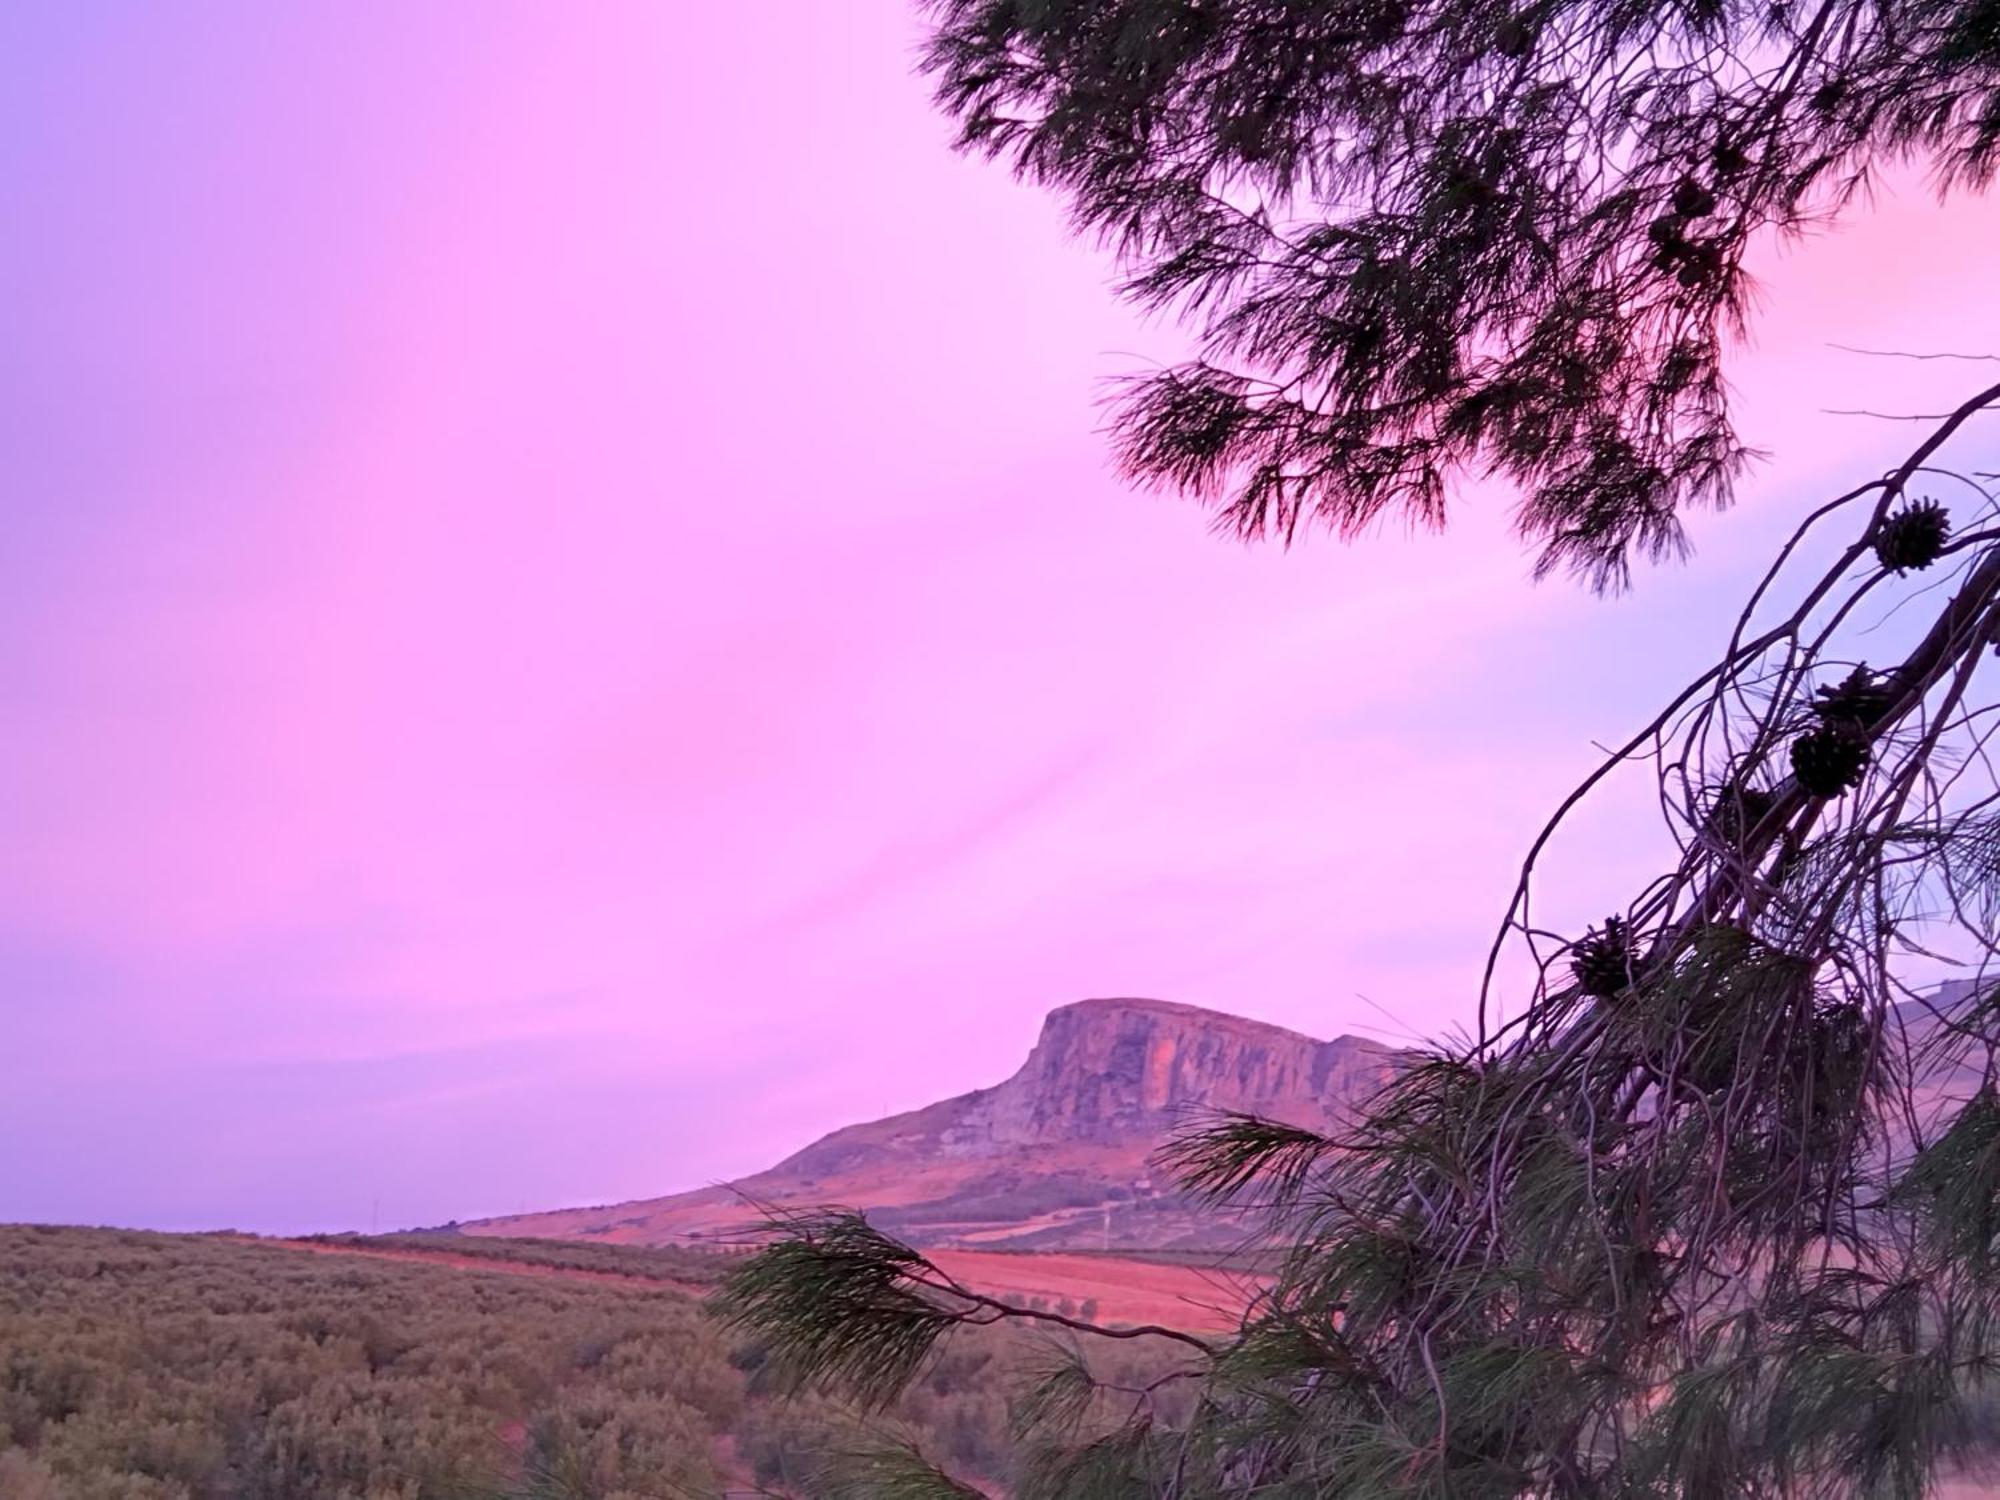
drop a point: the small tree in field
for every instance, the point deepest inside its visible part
(1717, 1213)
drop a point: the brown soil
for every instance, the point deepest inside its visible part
(1126, 1291)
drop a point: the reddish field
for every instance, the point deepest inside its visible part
(1125, 1291)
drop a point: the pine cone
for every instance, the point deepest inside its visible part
(1830, 759)
(1737, 810)
(1911, 540)
(1860, 699)
(1693, 201)
(1602, 961)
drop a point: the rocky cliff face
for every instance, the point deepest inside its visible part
(1108, 1070)
(1116, 1073)
(1055, 1156)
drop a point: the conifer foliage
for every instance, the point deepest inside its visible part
(1716, 1212)
(1420, 239)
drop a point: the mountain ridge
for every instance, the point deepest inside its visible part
(1055, 1156)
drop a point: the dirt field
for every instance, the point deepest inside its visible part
(1125, 1291)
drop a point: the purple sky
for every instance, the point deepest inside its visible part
(567, 627)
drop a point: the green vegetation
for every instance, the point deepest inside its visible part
(1000, 1197)
(149, 1367)
(162, 1367)
(648, 1262)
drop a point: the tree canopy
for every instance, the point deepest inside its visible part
(1426, 239)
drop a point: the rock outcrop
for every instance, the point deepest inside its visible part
(1121, 1073)
(1107, 1070)
(1055, 1157)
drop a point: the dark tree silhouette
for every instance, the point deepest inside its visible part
(1717, 1212)
(1421, 238)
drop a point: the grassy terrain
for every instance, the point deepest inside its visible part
(160, 1367)
(647, 1262)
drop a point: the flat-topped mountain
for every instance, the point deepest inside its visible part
(1057, 1156)
(1119, 1072)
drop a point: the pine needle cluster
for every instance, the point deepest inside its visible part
(839, 1304)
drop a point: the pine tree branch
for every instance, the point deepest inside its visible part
(998, 1311)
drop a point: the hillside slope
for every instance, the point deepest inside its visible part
(1056, 1157)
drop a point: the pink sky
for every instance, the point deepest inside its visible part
(567, 627)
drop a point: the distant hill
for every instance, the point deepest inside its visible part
(1058, 1157)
